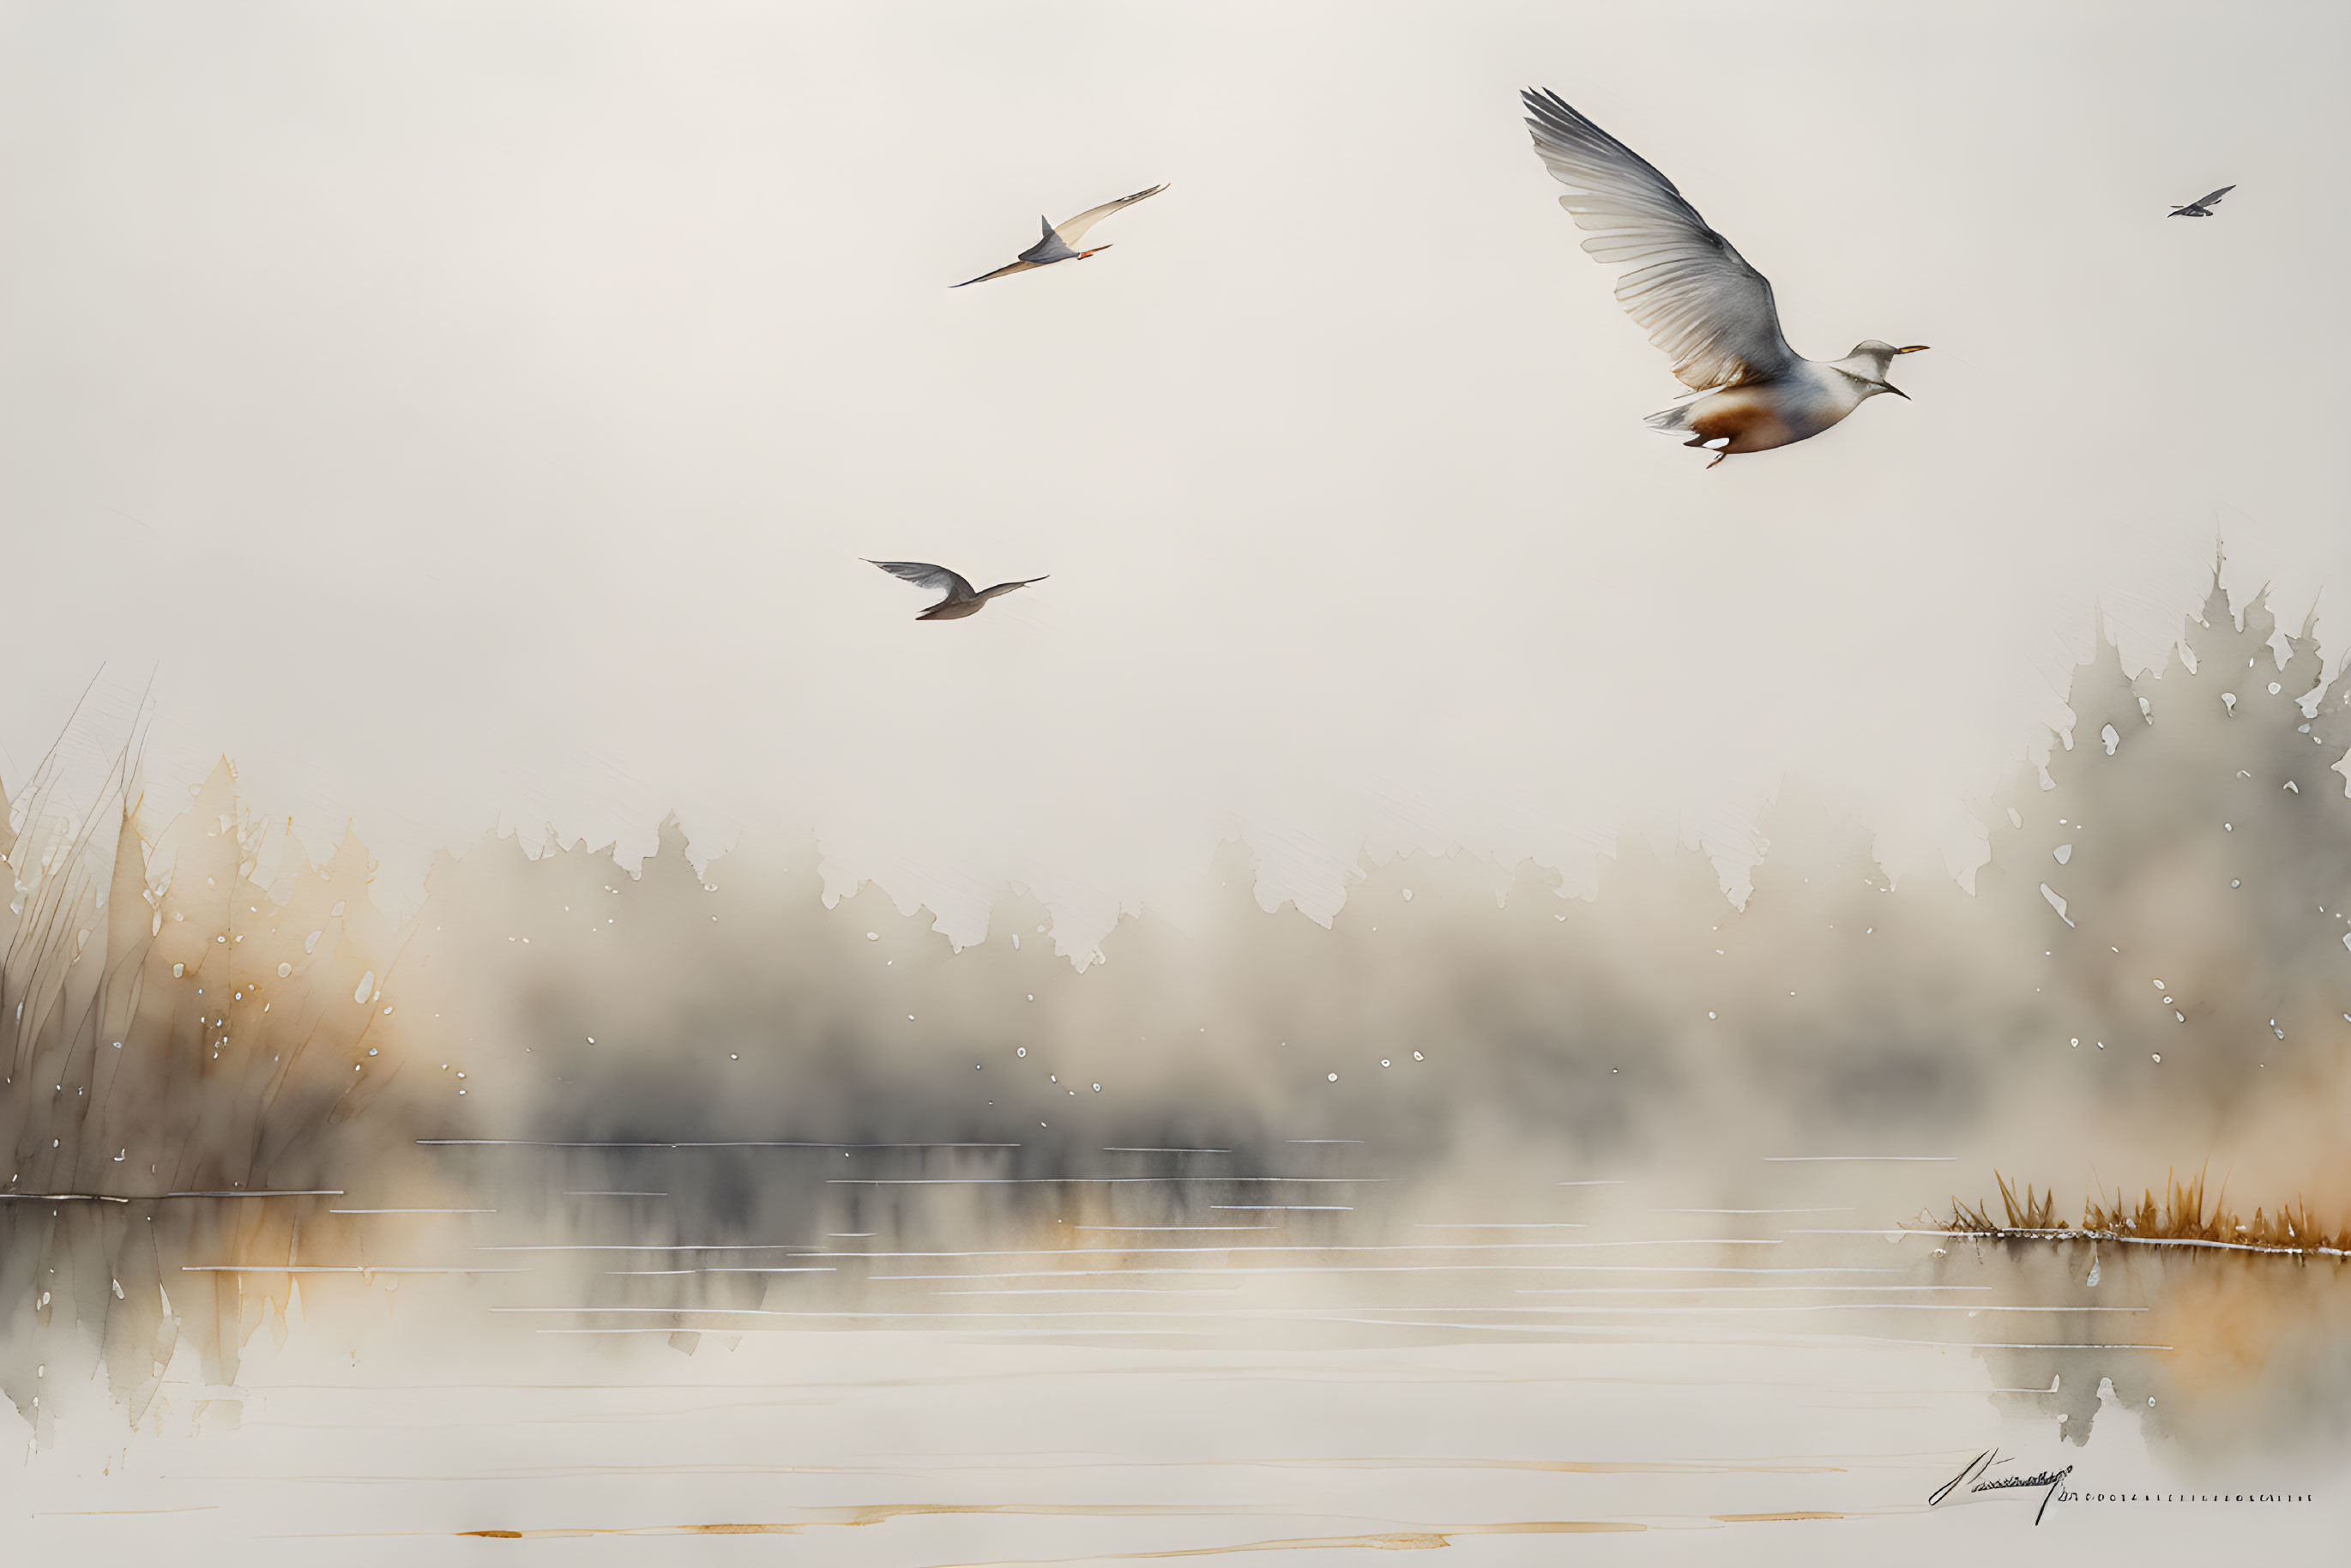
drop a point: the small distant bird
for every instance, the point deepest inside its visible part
(1710, 311)
(2201, 207)
(961, 599)
(1060, 241)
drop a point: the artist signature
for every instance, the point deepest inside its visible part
(1974, 1479)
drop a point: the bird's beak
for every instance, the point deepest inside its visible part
(1913, 349)
(1083, 254)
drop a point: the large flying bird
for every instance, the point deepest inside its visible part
(1710, 312)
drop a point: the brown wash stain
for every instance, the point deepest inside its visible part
(1394, 1542)
(1385, 1540)
(1389, 1540)
(1769, 1518)
(879, 1513)
(1556, 1467)
(1571, 1467)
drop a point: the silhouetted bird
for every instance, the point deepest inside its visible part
(2201, 207)
(960, 600)
(1060, 241)
(1702, 303)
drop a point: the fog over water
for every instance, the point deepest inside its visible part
(720, 1075)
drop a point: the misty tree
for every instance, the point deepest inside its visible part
(2181, 873)
(1846, 993)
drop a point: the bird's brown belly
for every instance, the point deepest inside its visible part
(952, 610)
(1743, 421)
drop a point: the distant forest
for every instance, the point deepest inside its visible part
(2163, 930)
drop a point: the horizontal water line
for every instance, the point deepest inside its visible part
(1101, 1291)
(1091, 1181)
(2097, 1236)
(331, 1269)
(808, 1248)
(1956, 1345)
(160, 1197)
(717, 1143)
(1237, 1247)
(1289, 1316)
(1163, 1334)
(778, 1312)
(1252, 1247)
(1845, 1210)
(1732, 1311)
(1164, 1229)
(653, 1273)
(70, 1197)
(1211, 1270)
(266, 1192)
(1706, 1290)
(1729, 1310)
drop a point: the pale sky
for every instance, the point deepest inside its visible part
(472, 415)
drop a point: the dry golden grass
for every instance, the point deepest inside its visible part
(2183, 1219)
(204, 1027)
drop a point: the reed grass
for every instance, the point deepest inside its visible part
(191, 1065)
(2184, 1218)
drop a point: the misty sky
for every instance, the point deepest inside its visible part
(471, 416)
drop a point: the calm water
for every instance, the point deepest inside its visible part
(1175, 1360)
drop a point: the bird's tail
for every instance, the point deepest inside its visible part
(1669, 418)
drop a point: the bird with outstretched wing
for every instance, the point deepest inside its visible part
(1061, 240)
(2201, 207)
(1700, 302)
(959, 599)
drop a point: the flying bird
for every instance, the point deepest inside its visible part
(2201, 207)
(961, 599)
(1709, 312)
(1060, 241)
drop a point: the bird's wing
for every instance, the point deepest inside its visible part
(923, 574)
(1005, 271)
(1003, 588)
(1072, 230)
(1050, 248)
(2214, 199)
(1709, 312)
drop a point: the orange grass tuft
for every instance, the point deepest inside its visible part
(2183, 1219)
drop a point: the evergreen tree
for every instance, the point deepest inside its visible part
(2190, 854)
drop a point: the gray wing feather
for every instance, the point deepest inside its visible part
(2214, 198)
(1050, 249)
(923, 574)
(1708, 310)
